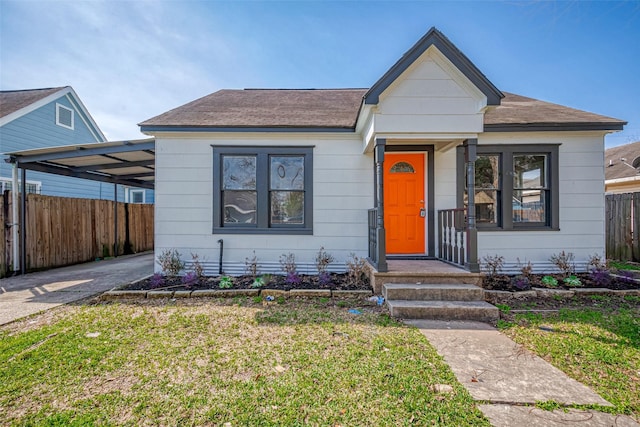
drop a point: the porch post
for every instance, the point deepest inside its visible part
(23, 223)
(472, 231)
(380, 232)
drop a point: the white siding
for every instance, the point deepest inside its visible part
(431, 96)
(582, 212)
(342, 194)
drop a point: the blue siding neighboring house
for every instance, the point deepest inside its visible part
(39, 118)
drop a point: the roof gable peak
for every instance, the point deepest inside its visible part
(434, 37)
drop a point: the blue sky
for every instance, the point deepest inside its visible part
(131, 60)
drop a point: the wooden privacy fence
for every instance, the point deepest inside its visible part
(623, 226)
(64, 231)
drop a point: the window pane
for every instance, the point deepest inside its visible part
(529, 171)
(402, 167)
(529, 206)
(239, 207)
(487, 171)
(486, 206)
(287, 173)
(239, 173)
(287, 207)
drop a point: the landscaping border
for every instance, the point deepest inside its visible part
(498, 297)
(116, 293)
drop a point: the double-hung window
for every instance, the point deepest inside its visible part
(516, 187)
(262, 190)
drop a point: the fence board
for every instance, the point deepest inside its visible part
(623, 226)
(63, 231)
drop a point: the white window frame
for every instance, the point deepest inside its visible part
(5, 181)
(58, 108)
(131, 191)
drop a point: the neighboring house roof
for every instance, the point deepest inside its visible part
(622, 161)
(519, 112)
(17, 103)
(339, 108)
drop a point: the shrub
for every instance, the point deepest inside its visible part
(292, 278)
(525, 269)
(156, 281)
(288, 263)
(170, 262)
(323, 259)
(196, 266)
(190, 279)
(549, 281)
(258, 282)
(251, 265)
(225, 282)
(324, 278)
(521, 283)
(564, 263)
(596, 262)
(600, 277)
(492, 264)
(356, 269)
(572, 281)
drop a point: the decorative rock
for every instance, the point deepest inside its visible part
(182, 294)
(553, 293)
(442, 388)
(205, 293)
(592, 291)
(308, 293)
(624, 292)
(351, 293)
(159, 294)
(274, 293)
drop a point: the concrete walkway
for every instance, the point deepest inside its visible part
(504, 377)
(21, 296)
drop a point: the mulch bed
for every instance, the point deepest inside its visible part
(509, 283)
(336, 281)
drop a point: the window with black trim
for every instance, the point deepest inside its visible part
(262, 190)
(516, 187)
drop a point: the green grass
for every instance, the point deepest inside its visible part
(211, 363)
(621, 265)
(600, 348)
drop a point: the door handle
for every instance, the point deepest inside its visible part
(423, 213)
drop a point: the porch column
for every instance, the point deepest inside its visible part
(23, 222)
(380, 232)
(472, 231)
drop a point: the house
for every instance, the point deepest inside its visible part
(622, 169)
(39, 118)
(431, 161)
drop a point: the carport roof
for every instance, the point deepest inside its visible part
(130, 163)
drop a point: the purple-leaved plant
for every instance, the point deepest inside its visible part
(292, 278)
(626, 277)
(600, 276)
(157, 280)
(190, 279)
(521, 283)
(324, 278)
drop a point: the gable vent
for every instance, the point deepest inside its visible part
(64, 116)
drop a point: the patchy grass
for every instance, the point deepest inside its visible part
(599, 348)
(210, 363)
(622, 265)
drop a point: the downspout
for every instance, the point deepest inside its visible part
(14, 219)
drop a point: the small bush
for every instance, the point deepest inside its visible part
(521, 283)
(225, 282)
(572, 281)
(526, 269)
(600, 277)
(258, 282)
(596, 262)
(288, 263)
(564, 263)
(549, 281)
(156, 281)
(190, 279)
(292, 279)
(356, 269)
(170, 262)
(324, 278)
(492, 264)
(251, 265)
(323, 259)
(196, 266)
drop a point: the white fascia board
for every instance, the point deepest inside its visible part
(76, 102)
(32, 107)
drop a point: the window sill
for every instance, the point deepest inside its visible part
(530, 228)
(248, 230)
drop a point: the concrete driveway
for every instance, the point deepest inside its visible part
(21, 296)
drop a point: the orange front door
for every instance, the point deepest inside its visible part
(403, 202)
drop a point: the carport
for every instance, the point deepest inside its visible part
(130, 163)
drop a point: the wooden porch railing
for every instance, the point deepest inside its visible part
(452, 229)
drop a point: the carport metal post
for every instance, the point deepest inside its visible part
(115, 220)
(23, 222)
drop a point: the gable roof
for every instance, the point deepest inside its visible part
(518, 112)
(17, 103)
(258, 109)
(616, 167)
(433, 37)
(337, 110)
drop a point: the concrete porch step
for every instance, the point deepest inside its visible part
(432, 292)
(444, 310)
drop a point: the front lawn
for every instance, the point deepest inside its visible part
(598, 346)
(210, 362)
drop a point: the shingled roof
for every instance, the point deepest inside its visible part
(622, 161)
(339, 109)
(14, 100)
